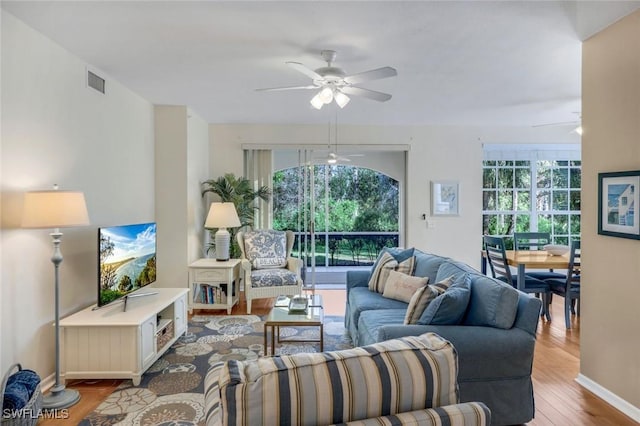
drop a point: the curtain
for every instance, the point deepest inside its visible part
(258, 169)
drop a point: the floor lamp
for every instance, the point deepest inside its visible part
(56, 209)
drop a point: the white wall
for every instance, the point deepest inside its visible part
(436, 153)
(182, 164)
(197, 172)
(56, 130)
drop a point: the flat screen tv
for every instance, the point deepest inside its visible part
(127, 260)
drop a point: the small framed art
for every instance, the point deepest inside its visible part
(617, 204)
(445, 198)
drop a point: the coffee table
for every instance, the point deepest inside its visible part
(281, 317)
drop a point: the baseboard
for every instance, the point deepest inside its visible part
(48, 382)
(609, 397)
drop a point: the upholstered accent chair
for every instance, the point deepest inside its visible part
(408, 381)
(268, 270)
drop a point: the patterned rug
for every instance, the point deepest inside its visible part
(171, 391)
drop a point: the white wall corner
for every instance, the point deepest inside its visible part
(609, 397)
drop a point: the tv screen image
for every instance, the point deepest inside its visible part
(127, 260)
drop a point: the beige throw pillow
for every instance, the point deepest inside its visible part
(422, 297)
(401, 286)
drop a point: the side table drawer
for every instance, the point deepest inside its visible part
(210, 275)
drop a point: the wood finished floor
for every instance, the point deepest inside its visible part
(560, 401)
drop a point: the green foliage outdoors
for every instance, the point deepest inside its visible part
(358, 200)
(508, 187)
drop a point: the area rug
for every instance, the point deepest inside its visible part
(171, 392)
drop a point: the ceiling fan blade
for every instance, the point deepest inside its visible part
(376, 74)
(366, 93)
(558, 123)
(304, 70)
(272, 89)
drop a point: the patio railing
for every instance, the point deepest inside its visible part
(344, 248)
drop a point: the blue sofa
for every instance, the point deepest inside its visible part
(495, 338)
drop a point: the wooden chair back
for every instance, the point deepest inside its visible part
(497, 258)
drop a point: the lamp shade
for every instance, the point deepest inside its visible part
(54, 209)
(222, 215)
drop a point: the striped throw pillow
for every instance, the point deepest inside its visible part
(423, 297)
(387, 263)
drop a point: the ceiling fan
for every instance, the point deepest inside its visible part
(333, 157)
(578, 124)
(333, 83)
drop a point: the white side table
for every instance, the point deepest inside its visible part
(214, 284)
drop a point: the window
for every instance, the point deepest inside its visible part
(531, 195)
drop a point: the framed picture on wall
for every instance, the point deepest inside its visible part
(445, 198)
(617, 204)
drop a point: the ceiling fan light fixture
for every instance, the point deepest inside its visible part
(326, 95)
(316, 101)
(341, 99)
(332, 160)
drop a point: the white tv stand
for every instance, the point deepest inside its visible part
(111, 344)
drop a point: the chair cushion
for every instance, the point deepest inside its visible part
(390, 377)
(546, 275)
(272, 277)
(450, 307)
(423, 297)
(266, 248)
(401, 286)
(387, 263)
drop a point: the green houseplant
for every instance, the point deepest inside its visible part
(240, 192)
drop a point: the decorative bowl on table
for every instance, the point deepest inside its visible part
(556, 249)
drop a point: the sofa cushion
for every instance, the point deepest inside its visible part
(391, 377)
(492, 303)
(401, 286)
(421, 299)
(266, 248)
(451, 267)
(427, 265)
(361, 299)
(385, 264)
(370, 322)
(449, 308)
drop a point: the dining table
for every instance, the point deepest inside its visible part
(529, 259)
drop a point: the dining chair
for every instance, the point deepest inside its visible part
(569, 288)
(500, 269)
(536, 241)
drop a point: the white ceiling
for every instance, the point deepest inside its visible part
(458, 62)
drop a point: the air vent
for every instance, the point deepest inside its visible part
(95, 81)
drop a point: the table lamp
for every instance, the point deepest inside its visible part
(56, 209)
(222, 216)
